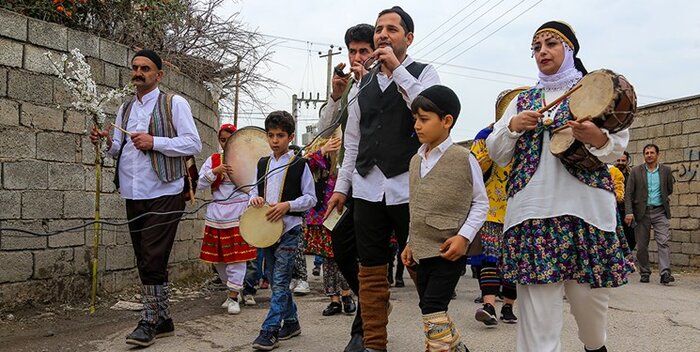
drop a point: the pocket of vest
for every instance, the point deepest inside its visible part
(441, 222)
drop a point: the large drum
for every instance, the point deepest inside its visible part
(242, 151)
(256, 230)
(605, 98)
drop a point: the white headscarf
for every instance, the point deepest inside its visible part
(566, 76)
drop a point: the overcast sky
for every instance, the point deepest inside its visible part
(655, 44)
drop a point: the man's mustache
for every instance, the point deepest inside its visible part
(138, 79)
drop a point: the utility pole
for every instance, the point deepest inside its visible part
(235, 100)
(296, 102)
(329, 72)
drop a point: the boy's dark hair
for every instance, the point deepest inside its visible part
(427, 105)
(651, 145)
(362, 32)
(280, 119)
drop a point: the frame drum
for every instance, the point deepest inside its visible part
(242, 151)
(256, 230)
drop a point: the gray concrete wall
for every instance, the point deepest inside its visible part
(47, 173)
(675, 127)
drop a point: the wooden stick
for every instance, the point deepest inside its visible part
(121, 129)
(558, 100)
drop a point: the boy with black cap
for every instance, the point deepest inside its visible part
(150, 167)
(448, 205)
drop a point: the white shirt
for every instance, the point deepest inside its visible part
(480, 201)
(332, 108)
(273, 189)
(137, 180)
(222, 214)
(553, 191)
(375, 186)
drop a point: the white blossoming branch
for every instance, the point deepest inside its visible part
(76, 75)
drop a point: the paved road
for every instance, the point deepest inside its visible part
(643, 317)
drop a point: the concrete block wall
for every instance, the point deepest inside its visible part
(675, 127)
(47, 172)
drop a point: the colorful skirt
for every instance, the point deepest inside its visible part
(317, 241)
(225, 246)
(490, 236)
(545, 251)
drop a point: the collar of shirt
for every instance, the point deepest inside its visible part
(284, 156)
(436, 152)
(149, 96)
(651, 171)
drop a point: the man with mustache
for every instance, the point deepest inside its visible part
(379, 144)
(149, 173)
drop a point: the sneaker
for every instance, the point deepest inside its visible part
(302, 288)
(667, 278)
(289, 329)
(644, 278)
(234, 307)
(316, 271)
(332, 309)
(266, 341)
(165, 328)
(292, 284)
(264, 284)
(226, 302)
(349, 305)
(479, 300)
(144, 335)
(486, 315)
(507, 315)
(249, 300)
(399, 282)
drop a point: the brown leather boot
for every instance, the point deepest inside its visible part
(374, 301)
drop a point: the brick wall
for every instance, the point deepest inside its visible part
(47, 176)
(675, 127)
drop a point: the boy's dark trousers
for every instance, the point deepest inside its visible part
(436, 279)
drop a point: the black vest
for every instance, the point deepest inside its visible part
(387, 137)
(291, 189)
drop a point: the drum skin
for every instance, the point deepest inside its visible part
(607, 98)
(256, 230)
(242, 151)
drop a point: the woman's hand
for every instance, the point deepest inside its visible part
(587, 132)
(524, 121)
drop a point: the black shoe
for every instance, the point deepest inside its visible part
(454, 294)
(486, 315)
(479, 300)
(399, 282)
(667, 278)
(333, 309)
(266, 341)
(144, 334)
(316, 271)
(602, 349)
(165, 328)
(355, 344)
(644, 278)
(289, 330)
(507, 315)
(349, 305)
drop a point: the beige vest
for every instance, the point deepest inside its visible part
(439, 202)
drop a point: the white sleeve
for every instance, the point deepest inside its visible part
(613, 149)
(308, 193)
(409, 86)
(328, 112)
(501, 142)
(480, 202)
(206, 175)
(118, 136)
(351, 142)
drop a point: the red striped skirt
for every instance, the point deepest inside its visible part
(225, 246)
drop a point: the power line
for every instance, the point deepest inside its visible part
(480, 30)
(467, 26)
(497, 29)
(484, 79)
(444, 23)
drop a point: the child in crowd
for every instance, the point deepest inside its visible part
(448, 205)
(222, 244)
(288, 188)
